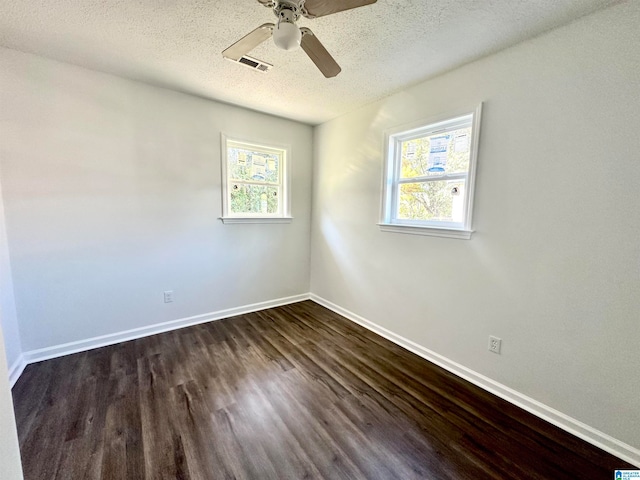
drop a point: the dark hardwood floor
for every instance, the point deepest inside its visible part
(288, 393)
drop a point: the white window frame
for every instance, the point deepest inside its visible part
(284, 213)
(391, 179)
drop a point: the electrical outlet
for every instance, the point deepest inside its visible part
(168, 296)
(494, 344)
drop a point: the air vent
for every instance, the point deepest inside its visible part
(253, 63)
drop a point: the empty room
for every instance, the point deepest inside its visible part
(321, 239)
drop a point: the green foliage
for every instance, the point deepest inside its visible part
(254, 199)
(255, 178)
(428, 200)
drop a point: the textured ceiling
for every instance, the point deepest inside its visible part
(177, 43)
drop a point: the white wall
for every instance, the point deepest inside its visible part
(112, 196)
(9, 450)
(553, 268)
(10, 467)
(8, 317)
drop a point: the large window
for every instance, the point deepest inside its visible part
(254, 179)
(429, 177)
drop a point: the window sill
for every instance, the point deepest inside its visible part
(227, 220)
(430, 231)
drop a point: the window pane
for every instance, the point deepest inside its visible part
(260, 199)
(436, 201)
(254, 166)
(436, 154)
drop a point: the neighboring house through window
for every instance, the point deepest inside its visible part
(255, 182)
(430, 176)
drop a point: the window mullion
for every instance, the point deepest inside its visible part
(249, 182)
(434, 178)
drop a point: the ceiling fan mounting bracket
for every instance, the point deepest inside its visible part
(287, 10)
(297, 7)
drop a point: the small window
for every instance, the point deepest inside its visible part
(255, 185)
(429, 178)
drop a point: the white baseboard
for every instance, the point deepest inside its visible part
(585, 432)
(16, 370)
(41, 354)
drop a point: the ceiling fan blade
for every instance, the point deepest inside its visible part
(318, 54)
(320, 8)
(249, 42)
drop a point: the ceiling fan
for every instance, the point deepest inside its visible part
(288, 36)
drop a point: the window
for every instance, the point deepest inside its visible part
(254, 182)
(429, 178)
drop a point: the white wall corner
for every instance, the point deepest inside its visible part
(575, 427)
